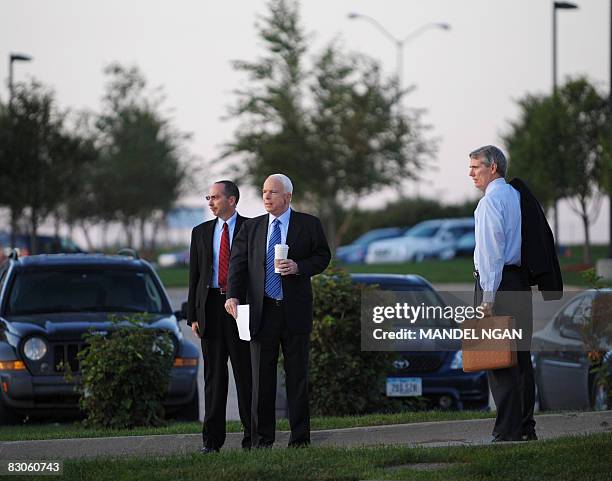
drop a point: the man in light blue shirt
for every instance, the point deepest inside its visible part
(502, 288)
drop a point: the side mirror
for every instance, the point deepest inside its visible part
(182, 314)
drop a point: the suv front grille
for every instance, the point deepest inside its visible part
(418, 363)
(65, 354)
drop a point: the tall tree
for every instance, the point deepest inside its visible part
(44, 156)
(141, 174)
(556, 145)
(336, 128)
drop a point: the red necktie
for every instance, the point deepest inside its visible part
(224, 255)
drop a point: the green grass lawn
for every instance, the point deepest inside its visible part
(77, 430)
(438, 272)
(568, 459)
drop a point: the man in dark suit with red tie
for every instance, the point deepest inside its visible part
(211, 244)
(280, 305)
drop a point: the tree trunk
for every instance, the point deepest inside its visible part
(90, 246)
(584, 215)
(104, 235)
(327, 214)
(14, 217)
(129, 235)
(143, 243)
(345, 225)
(33, 230)
(156, 226)
(57, 221)
(556, 217)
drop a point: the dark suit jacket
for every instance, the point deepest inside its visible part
(307, 247)
(538, 252)
(201, 269)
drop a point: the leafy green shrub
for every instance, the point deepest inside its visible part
(343, 379)
(125, 375)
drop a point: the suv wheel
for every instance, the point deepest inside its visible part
(600, 396)
(7, 415)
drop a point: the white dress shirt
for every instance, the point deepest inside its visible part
(498, 235)
(231, 225)
(284, 226)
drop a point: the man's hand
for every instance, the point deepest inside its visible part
(487, 309)
(195, 329)
(287, 267)
(231, 306)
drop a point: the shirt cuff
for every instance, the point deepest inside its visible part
(488, 296)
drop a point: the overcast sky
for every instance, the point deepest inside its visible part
(467, 78)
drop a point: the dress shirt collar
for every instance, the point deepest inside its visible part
(283, 218)
(230, 222)
(494, 184)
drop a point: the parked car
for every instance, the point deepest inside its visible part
(563, 372)
(47, 303)
(355, 252)
(174, 259)
(435, 375)
(44, 245)
(427, 239)
(465, 245)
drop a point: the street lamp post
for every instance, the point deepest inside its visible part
(610, 122)
(14, 57)
(557, 6)
(399, 43)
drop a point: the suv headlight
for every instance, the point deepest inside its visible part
(457, 362)
(35, 348)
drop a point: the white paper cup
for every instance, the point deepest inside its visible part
(281, 251)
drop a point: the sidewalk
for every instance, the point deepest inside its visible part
(469, 432)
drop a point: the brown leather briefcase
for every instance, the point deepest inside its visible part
(487, 354)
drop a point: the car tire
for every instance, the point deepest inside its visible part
(447, 254)
(191, 410)
(7, 415)
(600, 395)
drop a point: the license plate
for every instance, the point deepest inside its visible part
(404, 386)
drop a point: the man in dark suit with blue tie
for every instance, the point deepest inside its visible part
(211, 243)
(280, 305)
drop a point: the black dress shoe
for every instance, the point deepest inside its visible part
(207, 450)
(530, 436)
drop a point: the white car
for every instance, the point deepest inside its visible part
(431, 238)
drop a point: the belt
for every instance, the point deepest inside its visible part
(273, 302)
(507, 268)
(217, 290)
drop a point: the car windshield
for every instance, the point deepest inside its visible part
(85, 289)
(423, 231)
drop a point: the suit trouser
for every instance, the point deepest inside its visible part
(264, 360)
(513, 388)
(221, 341)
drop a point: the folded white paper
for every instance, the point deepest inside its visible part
(243, 322)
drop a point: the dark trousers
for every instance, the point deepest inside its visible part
(221, 341)
(513, 388)
(264, 360)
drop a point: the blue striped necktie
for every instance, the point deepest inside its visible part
(273, 287)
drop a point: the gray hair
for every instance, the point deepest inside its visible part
(286, 181)
(489, 154)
